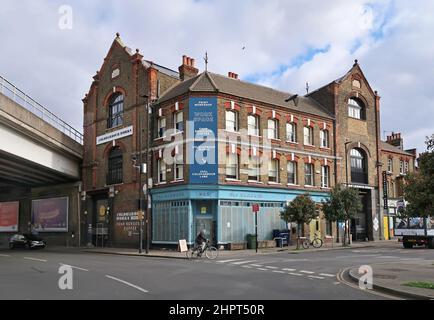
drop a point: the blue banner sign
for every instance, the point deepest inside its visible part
(202, 137)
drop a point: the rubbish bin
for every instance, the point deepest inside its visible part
(251, 241)
(279, 242)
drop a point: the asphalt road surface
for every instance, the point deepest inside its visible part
(277, 276)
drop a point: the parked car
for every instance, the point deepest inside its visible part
(26, 241)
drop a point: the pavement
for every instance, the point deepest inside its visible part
(173, 254)
(391, 278)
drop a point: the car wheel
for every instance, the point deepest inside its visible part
(431, 243)
(27, 246)
(407, 245)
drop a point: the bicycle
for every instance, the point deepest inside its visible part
(196, 252)
(316, 242)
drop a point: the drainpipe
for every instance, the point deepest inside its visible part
(377, 131)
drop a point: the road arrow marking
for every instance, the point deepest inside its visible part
(34, 259)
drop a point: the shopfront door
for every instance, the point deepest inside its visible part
(207, 226)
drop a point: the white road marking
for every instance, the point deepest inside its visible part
(388, 257)
(291, 270)
(73, 267)
(276, 271)
(34, 259)
(5, 255)
(262, 269)
(128, 284)
(268, 267)
(247, 267)
(242, 262)
(327, 275)
(316, 277)
(224, 261)
(307, 272)
(257, 265)
(336, 283)
(295, 274)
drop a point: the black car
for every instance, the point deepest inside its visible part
(26, 241)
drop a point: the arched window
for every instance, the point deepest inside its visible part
(116, 111)
(359, 169)
(253, 125)
(114, 175)
(231, 121)
(356, 109)
(308, 136)
(291, 132)
(324, 138)
(273, 129)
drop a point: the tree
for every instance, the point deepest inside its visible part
(419, 186)
(344, 203)
(301, 210)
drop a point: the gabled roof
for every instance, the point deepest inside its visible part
(211, 82)
(388, 147)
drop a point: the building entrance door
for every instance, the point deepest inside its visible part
(101, 222)
(207, 226)
(359, 224)
(315, 228)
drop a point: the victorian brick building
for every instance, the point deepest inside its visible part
(214, 145)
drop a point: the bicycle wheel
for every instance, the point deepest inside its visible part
(305, 244)
(192, 254)
(317, 243)
(212, 253)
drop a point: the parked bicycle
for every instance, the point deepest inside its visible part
(197, 252)
(316, 242)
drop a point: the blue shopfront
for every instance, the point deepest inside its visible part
(224, 212)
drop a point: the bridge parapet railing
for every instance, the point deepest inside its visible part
(19, 97)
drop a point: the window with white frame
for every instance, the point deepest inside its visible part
(254, 169)
(324, 137)
(179, 168)
(273, 129)
(401, 167)
(178, 120)
(232, 166)
(253, 125)
(390, 165)
(291, 132)
(161, 127)
(116, 111)
(273, 170)
(325, 176)
(355, 109)
(161, 171)
(308, 136)
(406, 167)
(292, 172)
(231, 121)
(308, 174)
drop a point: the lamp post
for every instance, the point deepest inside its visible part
(347, 183)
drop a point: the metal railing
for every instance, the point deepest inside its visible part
(19, 97)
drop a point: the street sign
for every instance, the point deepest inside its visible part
(255, 208)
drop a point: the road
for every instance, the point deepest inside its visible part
(277, 276)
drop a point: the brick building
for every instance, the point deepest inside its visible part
(397, 163)
(215, 145)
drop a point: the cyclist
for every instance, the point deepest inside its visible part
(201, 241)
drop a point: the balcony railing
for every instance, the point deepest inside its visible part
(19, 97)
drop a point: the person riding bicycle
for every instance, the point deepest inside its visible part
(201, 241)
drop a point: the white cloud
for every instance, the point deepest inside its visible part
(390, 39)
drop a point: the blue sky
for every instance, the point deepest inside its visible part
(286, 44)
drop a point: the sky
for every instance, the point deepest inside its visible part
(51, 49)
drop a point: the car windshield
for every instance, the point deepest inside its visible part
(33, 237)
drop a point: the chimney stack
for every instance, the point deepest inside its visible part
(396, 140)
(233, 75)
(187, 70)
